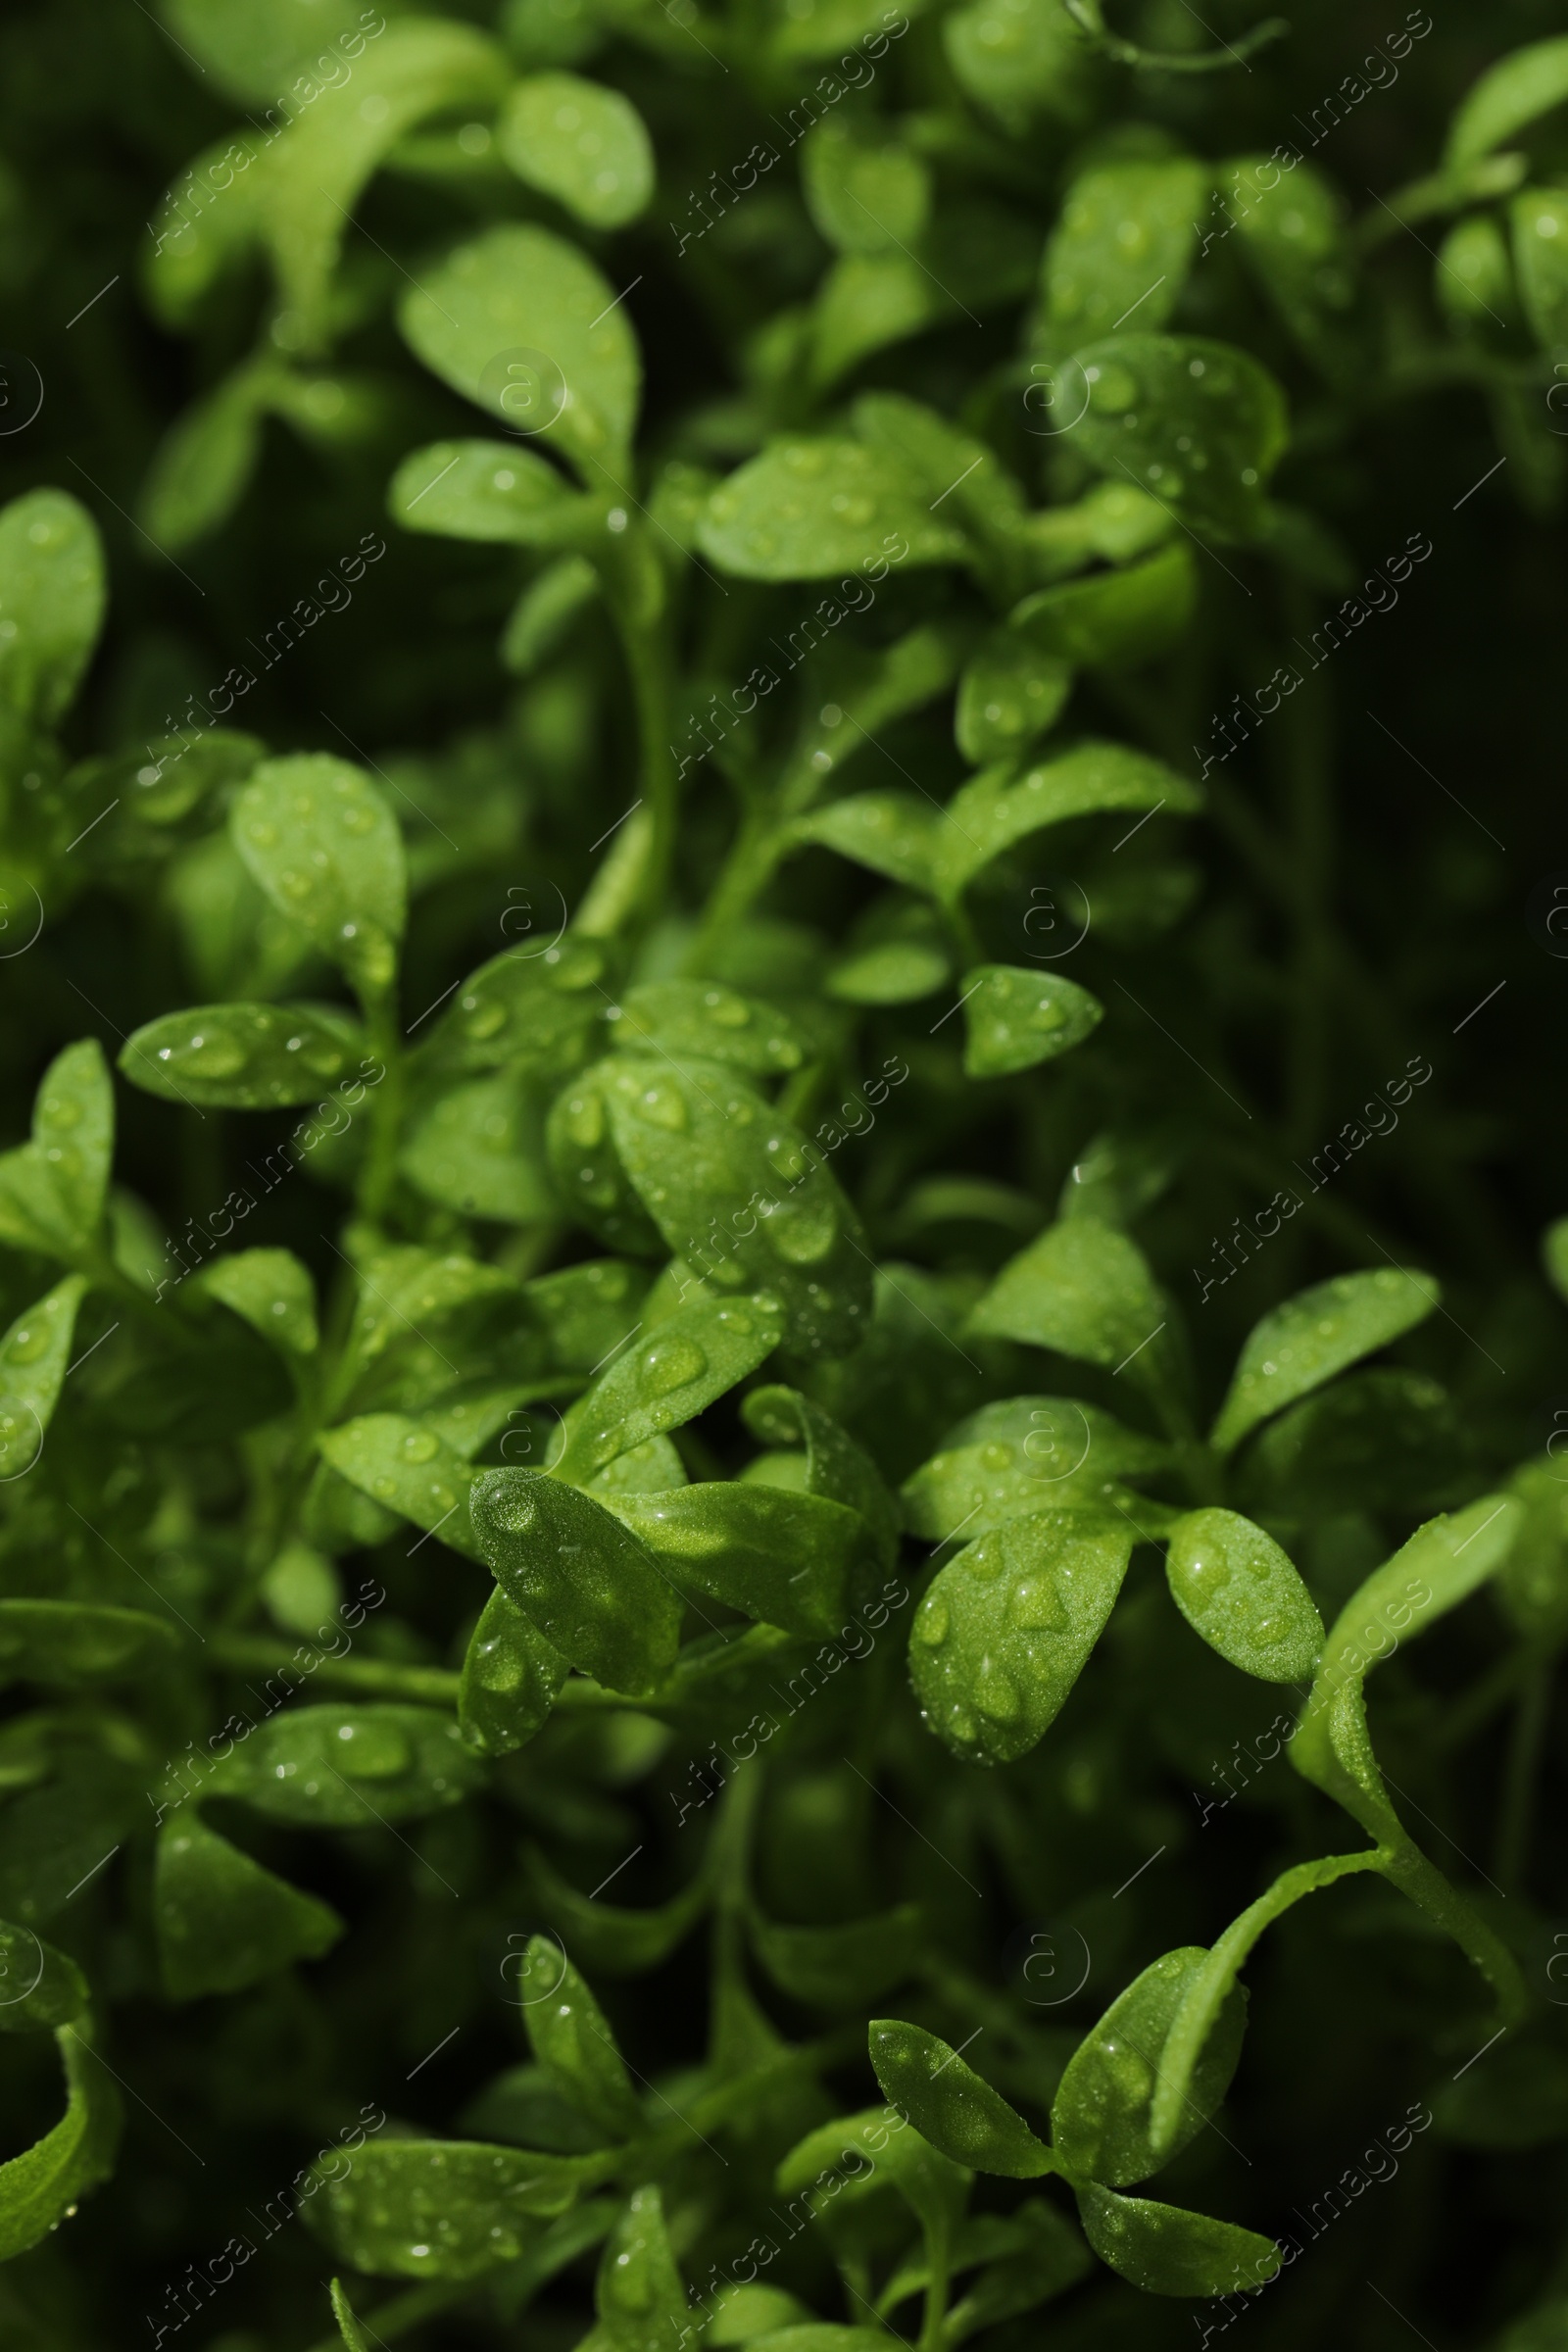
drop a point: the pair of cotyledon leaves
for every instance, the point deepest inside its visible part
(1007, 1624)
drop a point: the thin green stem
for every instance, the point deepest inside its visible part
(650, 664)
(1532, 1714)
(374, 1678)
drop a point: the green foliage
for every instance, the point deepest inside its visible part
(608, 1109)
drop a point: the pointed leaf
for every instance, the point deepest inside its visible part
(441, 2208)
(319, 837)
(479, 1148)
(994, 810)
(51, 602)
(1100, 2114)
(569, 2033)
(1300, 1345)
(698, 1017)
(1519, 88)
(890, 832)
(581, 143)
(1083, 1289)
(1008, 694)
(615, 1940)
(80, 1642)
(33, 1355)
(1158, 403)
(587, 1583)
(805, 510)
(353, 2334)
(240, 1056)
(843, 1967)
(402, 1464)
(638, 2292)
(1017, 1018)
(1006, 1628)
(693, 1357)
(836, 1467)
(1113, 619)
(348, 1768)
(486, 490)
(73, 1130)
(39, 1986)
(222, 1920)
(531, 1010)
(865, 192)
(1026, 1455)
(776, 1556)
(38, 2187)
(516, 289)
(511, 1678)
(273, 1293)
(1167, 2252)
(1242, 1594)
(1123, 245)
(952, 2106)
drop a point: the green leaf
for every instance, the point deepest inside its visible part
(403, 1464)
(1009, 694)
(842, 1967)
(39, 1986)
(319, 837)
(588, 1311)
(222, 1920)
(1300, 1345)
(440, 2208)
(1114, 619)
(51, 602)
(776, 1556)
(272, 1291)
(805, 510)
(240, 1056)
(353, 2334)
(543, 615)
(1006, 1628)
(74, 1132)
(511, 1678)
(638, 2292)
(1026, 1455)
(952, 2106)
(1048, 2257)
(705, 1152)
(909, 840)
(315, 175)
(900, 971)
(349, 1768)
(1167, 2252)
(693, 1357)
(836, 1467)
(190, 255)
(613, 1940)
(479, 1148)
(79, 1642)
(43, 2185)
(1159, 403)
(581, 143)
(1374, 1441)
(993, 812)
(864, 190)
(698, 1017)
(1293, 235)
(1123, 246)
(517, 289)
(570, 2035)
(33, 1355)
(1540, 220)
(582, 1577)
(1017, 1018)
(486, 490)
(529, 1009)
(1021, 60)
(1083, 1289)
(1518, 89)
(1101, 2115)
(1243, 1596)
(876, 2145)
(203, 466)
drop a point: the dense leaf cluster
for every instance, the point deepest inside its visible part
(616, 1451)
